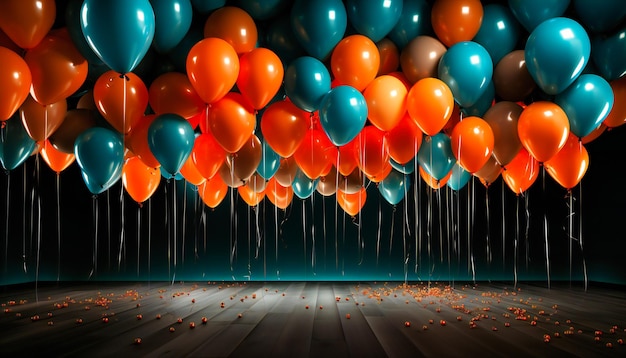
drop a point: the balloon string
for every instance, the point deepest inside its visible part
(527, 228)
(545, 228)
(94, 265)
(418, 229)
(570, 230)
(304, 237)
(503, 229)
(25, 193)
(473, 218)
(174, 228)
(404, 247)
(168, 229)
(440, 219)
(149, 238)
(391, 235)
(378, 236)
(257, 208)
(109, 226)
(324, 230)
(276, 237)
(122, 249)
(313, 241)
(580, 233)
(469, 225)
(6, 227)
(184, 225)
(58, 191)
(488, 233)
(39, 219)
(429, 235)
(448, 235)
(516, 241)
(138, 238)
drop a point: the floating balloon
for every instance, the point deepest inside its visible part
(430, 103)
(307, 81)
(431, 181)
(270, 161)
(208, 155)
(531, 13)
(327, 184)
(172, 92)
(489, 173)
(436, 156)
(280, 38)
(503, 118)
(74, 29)
(521, 172)
(315, 153)
(56, 160)
(246, 160)
(343, 113)
(212, 67)
(389, 57)
(600, 16)
(279, 195)
(404, 140)
(472, 143)
(352, 203)
(213, 191)
(455, 21)
(263, 9)
(606, 52)
(16, 82)
(617, 116)
(231, 121)
(137, 142)
(374, 19)
(15, 144)
(407, 168)
(190, 172)
(303, 186)
(459, 177)
(260, 76)
(42, 121)
(172, 21)
(570, 164)
(482, 104)
(27, 22)
(233, 25)
(394, 187)
(319, 25)
(284, 126)
(414, 21)
(251, 197)
(511, 79)
(499, 31)
(420, 58)
(206, 6)
(100, 155)
(373, 153)
(543, 128)
(348, 158)
(140, 180)
(171, 140)
(122, 101)
(355, 61)
(386, 102)
(286, 172)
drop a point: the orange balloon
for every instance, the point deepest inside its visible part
(521, 172)
(372, 152)
(386, 102)
(16, 80)
(355, 61)
(56, 160)
(315, 153)
(456, 20)
(380, 176)
(213, 191)
(190, 172)
(594, 134)
(140, 180)
(348, 158)
(232, 121)
(430, 103)
(284, 126)
(569, 165)
(432, 182)
(251, 197)
(351, 183)
(404, 140)
(27, 22)
(74, 123)
(256, 182)
(137, 141)
(233, 25)
(245, 161)
(208, 155)
(5, 41)
(280, 196)
(543, 128)
(212, 67)
(327, 184)
(389, 57)
(617, 115)
(260, 76)
(121, 99)
(172, 92)
(472, 143)
(352, 203)
(42, 121)
(286, 173)
(58, 69)
(490, 172)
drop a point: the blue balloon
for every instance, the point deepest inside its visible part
(374, 18)
(556, 53)
(343, 114)
(270, 162)
(458, 178)
(435, 156)
(406, 168)
(483, 103)
(600, 16)
(319, 25)
(100, 155)
(414, 21)
(120, 32)
(206, 6)
(263, 9)
(15, 143)
(279, 37)
(172, 21)
(307, 81)
(303, 186)
(586, 102)
(394, 187)
(72, 22)
(609, 53)
(467, 69)
(171, 138)
(499, 31)
(531, 13)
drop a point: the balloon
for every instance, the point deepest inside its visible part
(556, 53)
(228, 176)
(257, 183)
(307, 81)
(27, 22)
(233, 25)
(432, 182)
(72, 21)
(414, 21)
(178, 55)
(245, 161)
(489, 173)
(137, 142)
(314, 27)
(279, 195)
(99, 154)
(600, 16)
(394, 187)
(315, 153)
(374, 19)
(586, 103)
(458, 177)
(482, 104)
(521, 172)
(140, 180)
(351, 183)
(420, 58)
(327, 184)
(511, 78)
(531, 13)
(472, 143)
(15, 144)
(57, 68)
(270, 161)
(172, 92)
(594, 134)
(352, 203)
(122, 43)
(455, 21)
(260, 76)
(286, 172)
(503, 118)
(212, 67)
(122, 101)
(570, 164)
(171, 140)
(430, 103)
(213, 191)
(386, 102)
(343, 114)
(56, 160)
(499, 31)
(404, 140)
(42, 121)
(543, 128)
(207, 155)
(280, 38)
(16, 80)
(617, 116)
(435, 156)
(251, 197)
(231, 121)
(284, 126)
(303, 186)
(348, 158)
(172, 21)
(191, 173)
(355, 61)
(389, 57)
(606, 52)
(373, 153)
(467, 69)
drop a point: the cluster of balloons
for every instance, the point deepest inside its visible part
(276, 98)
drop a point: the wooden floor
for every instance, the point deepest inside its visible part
(310, 319)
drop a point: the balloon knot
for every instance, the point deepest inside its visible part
(4, 124)
(140, 205)
(124, 76)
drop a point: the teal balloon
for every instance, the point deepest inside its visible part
(343, 114)
(306, 82)
(172, 21)
(170, 139)
(15, 143)
(303, 186)
(531, 13)
(483, 103)
(279, 37)
(499, 31)
(178, 55)
(467, 69)
(206, 6)
(270, 161)
(600, 16)
(263, 9)
(458, 178)
(406, 168)
(120, 32)
(556, 53)
(414, 21)
(166, 175)
(319, 25)
(587, 102)
(435, 156)
(374, 18)
(100, 155)
(394, 187)
(608, 53)
(72, 22)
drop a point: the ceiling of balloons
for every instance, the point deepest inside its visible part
(275, 99)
